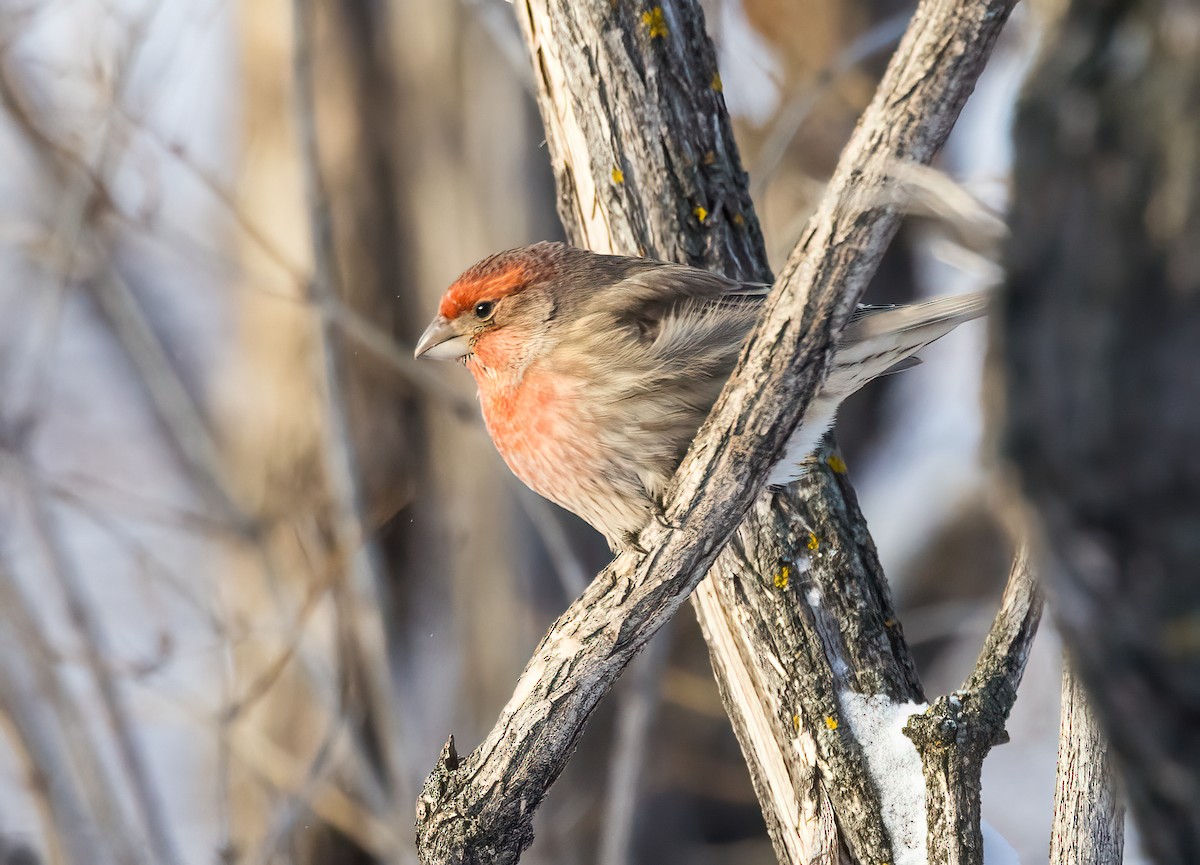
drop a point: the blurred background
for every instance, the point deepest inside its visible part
(256, 563)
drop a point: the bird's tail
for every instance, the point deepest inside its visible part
(880, 340)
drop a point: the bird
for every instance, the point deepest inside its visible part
(595, 371)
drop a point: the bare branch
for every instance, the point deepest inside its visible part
(358, 594)
(790, 119)
(48, 727)
(186, 426)
(1089, 818)
(354, 325)
(479, 809)
(956, 733)
(112, 697)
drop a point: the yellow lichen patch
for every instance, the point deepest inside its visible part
(618, 175)
(782, 577)
(709, 158)
(716, 83)
(890, 623)
(739, 220)
(796, 723)
(831, 722)
(812, 543)
(701, 213)
(655, 22)
(837, 464)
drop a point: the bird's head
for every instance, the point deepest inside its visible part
(496, 307)
(507, 309)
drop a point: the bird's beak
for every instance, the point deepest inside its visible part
(442, 341)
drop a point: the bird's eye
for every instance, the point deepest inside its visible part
(484, 309)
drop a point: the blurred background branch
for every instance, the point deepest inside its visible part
(1100, 342)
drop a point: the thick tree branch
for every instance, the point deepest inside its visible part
(955, 734)
(633, 98)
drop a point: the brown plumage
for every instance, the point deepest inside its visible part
(595, 371)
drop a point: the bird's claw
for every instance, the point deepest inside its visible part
(630, 543)
(660, 517)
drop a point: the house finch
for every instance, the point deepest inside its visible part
(595, 371)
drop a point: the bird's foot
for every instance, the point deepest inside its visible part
(660, 516)
(630, 542)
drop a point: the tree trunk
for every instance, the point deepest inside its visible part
(1101, 344)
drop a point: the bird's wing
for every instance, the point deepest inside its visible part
(651, 298)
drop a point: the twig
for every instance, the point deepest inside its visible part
(955, 734)
(129, 748)
(65, 763)
(372, 832)
(1089, 817)
(185, 424)
(790, 119)
(479, 809)
(385, 348)
(924, 191)
(188, 430)
(82, 194)
(352, 324)
(35, 733)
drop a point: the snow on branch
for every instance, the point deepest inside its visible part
(955, 733)
(911, 748)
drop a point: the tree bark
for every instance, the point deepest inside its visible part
(956, 733)
(1089, 818)
(640, 141)
(1101, 345)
